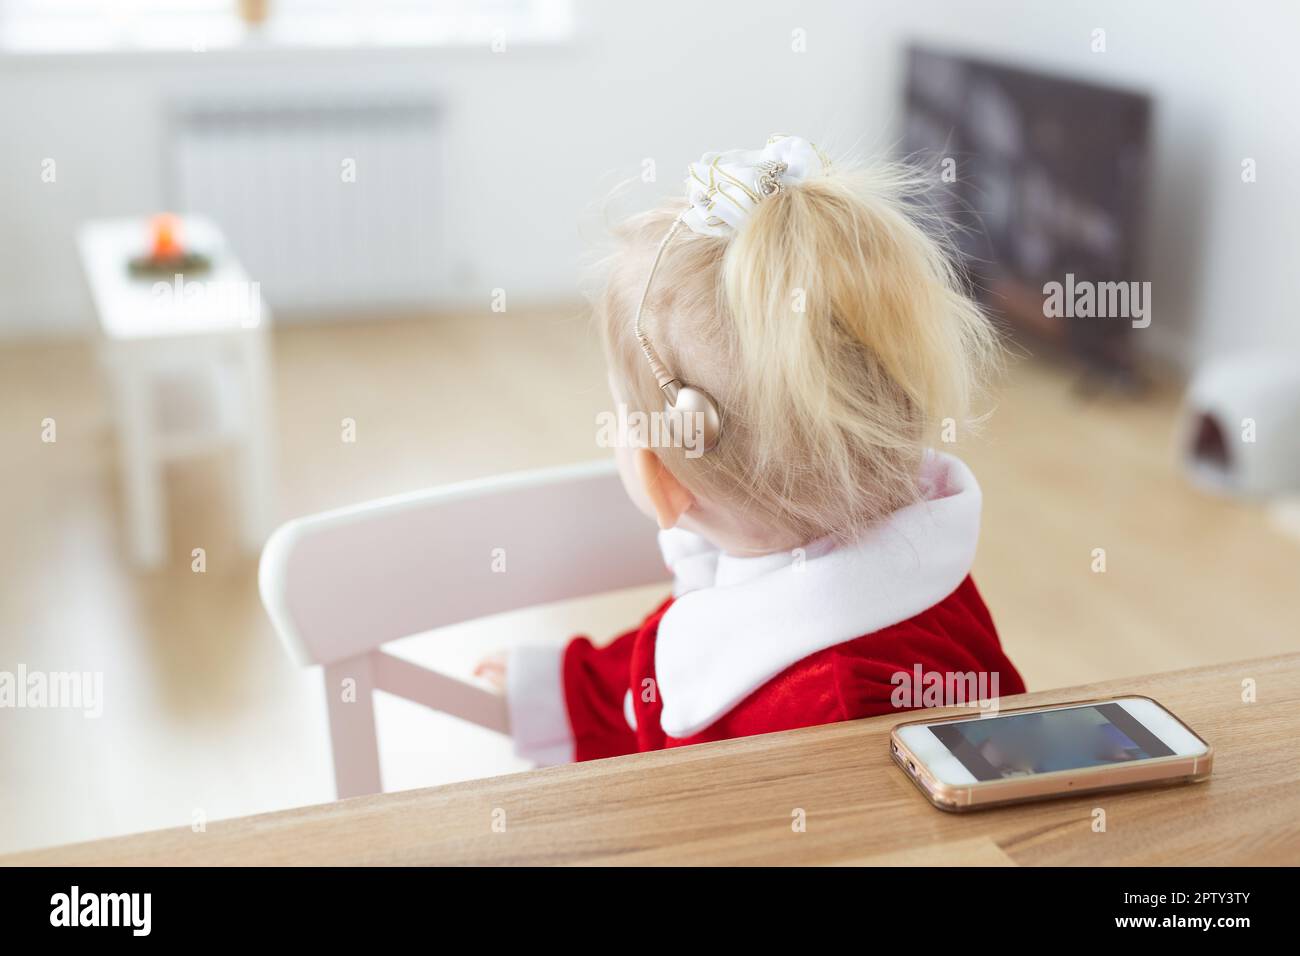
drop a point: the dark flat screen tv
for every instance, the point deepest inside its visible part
(1044, 178)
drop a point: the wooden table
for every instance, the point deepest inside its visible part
(735, 802)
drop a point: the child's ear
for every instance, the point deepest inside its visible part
(667, 495)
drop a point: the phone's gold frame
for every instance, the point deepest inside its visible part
(1156, 771)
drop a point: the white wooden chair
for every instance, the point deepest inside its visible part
(341, 584)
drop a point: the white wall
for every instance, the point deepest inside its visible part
(537, 136)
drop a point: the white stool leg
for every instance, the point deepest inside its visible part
(254, 458)
(141, 470)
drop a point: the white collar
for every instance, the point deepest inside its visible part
(738, 622)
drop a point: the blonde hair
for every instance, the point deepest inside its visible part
(833, 331)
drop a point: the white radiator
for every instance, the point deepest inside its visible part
(331, 207)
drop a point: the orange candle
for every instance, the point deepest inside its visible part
(165, 229)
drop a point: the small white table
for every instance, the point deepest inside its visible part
(186, 361)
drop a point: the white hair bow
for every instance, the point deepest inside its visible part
(724, 188)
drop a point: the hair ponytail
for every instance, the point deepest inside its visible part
(833, 330)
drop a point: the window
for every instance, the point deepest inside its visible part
(50, 26)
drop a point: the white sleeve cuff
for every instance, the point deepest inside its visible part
(539, 719)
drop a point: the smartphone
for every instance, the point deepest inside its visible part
(1034, 753)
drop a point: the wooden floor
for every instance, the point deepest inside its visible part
(204, 716)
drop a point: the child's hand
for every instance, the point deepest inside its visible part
(493, 670)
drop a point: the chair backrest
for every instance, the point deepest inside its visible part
(341, 583)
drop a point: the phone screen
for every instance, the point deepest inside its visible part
(992, 748)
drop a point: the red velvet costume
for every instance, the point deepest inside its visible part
(755, 645)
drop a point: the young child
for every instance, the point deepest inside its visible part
(809, 340)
